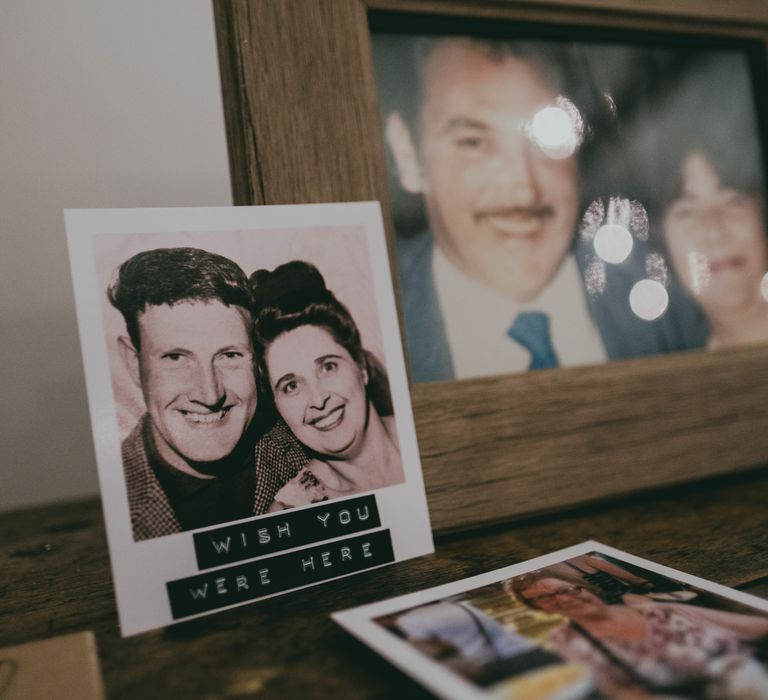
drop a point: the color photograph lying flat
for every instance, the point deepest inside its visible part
(589, 621)
(249, 402)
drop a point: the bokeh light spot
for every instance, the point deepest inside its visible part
(648, 299)
(656, 268)
(764, 286)
(554, 132)
(698, 269)
(613, 243)
(595, 276)
(592, 220)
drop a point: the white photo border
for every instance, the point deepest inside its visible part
(141, 569)
(360, 623)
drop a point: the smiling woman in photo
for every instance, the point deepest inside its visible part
(709, 215)
(332, 394)
(714, 230)
(641, 648)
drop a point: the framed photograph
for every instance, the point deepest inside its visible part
(584, 622)
(567, 196)
(563, 186)
(249, 402)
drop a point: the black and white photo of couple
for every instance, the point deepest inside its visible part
(257, 389)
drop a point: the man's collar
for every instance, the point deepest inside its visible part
(452, 282)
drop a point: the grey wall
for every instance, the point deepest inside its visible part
(103, 103)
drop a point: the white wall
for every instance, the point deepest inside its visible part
(103, 103)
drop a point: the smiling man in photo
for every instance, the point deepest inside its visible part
(199, 456)
(500, 280)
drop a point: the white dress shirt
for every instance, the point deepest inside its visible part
(477, 320)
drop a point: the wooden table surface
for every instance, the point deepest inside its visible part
(55, 579)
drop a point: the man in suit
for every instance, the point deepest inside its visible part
(501, 282)
(199, 455)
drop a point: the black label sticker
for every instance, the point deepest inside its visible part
(286, 530)
(256, 579)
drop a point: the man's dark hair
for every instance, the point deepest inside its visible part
(171, 276)
(552, 61)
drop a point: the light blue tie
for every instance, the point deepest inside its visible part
(531, 330)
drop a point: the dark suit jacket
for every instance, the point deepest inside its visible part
(278, 459)
(624, 335)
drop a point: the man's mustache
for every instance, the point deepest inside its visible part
(540, 211)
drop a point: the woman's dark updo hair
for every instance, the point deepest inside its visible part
(293, 295)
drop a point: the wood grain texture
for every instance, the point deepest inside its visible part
(308, 100)
(54, 578)
(720, 13)
(303, 127)
(575, 435)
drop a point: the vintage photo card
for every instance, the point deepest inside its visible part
(249, 402)
(588, 621)
(584, 188)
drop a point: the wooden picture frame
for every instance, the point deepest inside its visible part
(303, 126)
